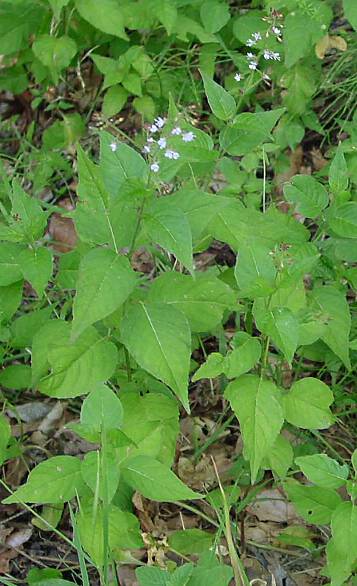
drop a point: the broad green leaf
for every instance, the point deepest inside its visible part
(203, 299)
(50, 513)
(338, 172)
(170, 229)
(54, 330)
(56, 53)
(119, 165)
(106, 17)
(191, 541)
(256, 404)
(350, 12)
(158, 337)
(214, 15)
(307, 404)
(16, 376)
(105, 281)
(123, 531)
(302, 28)
(152, 576)
(56, 480)
(210, 572)
(281, 456)
(213, 367)
(222, 104)
(248, 23)
(243, 357)
(114, 70)
(331, 304)
(343, 220)
(166, 12)
(36, 266)
(10, 299)
(57, 6)
(314, 504)
(248, 131)
(5, 434)
(114, 101)
(254, 270)
(17, 21)
(341, 549)
(91, 189)
(309, 196)
(99, 464)
(283, 327)
(323, 471)
(102, 409)
(10, 270)
(154, 480)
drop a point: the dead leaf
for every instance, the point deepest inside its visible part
(30, 412)
(271, 505)
(327, 43)
(18, 538)
(62, 229)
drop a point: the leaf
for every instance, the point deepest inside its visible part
(10, 299)
(10, 270)
(214, 15)
(350, 12)
(57, 6)
(56, 480)
(203, 300)
(105, 281)
(163, 347)
(331, 303)
(254, 270)
(36, 266)
(16, 376)
(56, 53)
(166, 12)
(102, 409)
(309, 196)
(248, 131)
(343, 219)
(17, 21)
(155, 481)
(30, 220)
(114, 70)
(99, 464)
(283, 327)
(338, 172)
(303, 28)
(106, 17)
(256, 404)
(5, 434)
(171, 230)
(213, 367)
(152, 576)
(281, 456)
(191, 541)
(222, 104)
(323, 471)
(243, 357)
(341, 549)
(307, 404)
(114, 101)
(314, 504)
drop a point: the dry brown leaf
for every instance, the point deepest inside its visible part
(327, 43)
(18, 538)
(272, 506)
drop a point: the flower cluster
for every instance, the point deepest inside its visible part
(252, 58)
(156, 142)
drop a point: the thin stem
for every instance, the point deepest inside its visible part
(137, 228)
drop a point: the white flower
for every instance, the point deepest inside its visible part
(162, 143)
(257, 36)
(160, 122)
(150, 139)
(250, 56)
(155, 167)
(188, 137)
(250, 43)
(276, 30)
(146, 149)
(176, 131)
(172, 154)
(276, 56)
(253, 65)
(113, 146)
(153, 128)
(266, 77)
(238, 77)
(267, 54)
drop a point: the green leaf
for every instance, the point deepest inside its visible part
(302, 28)
(10, 299)
(213, 367)
(341, 549)
(155, 481)
(283, 327)
(114, 101)
(57, 6)
(106, 17)
(307, 404)
(102, 409)
(243, 357)
(10, 270)
(314, 504)
(5, 434)
(214, 15)
(25, 327)
(17, 21)
(30, 220)
(114, 70)
(254, 270)
(163, 347)
(191, 541)
(323, 471)
(203, 299)
(338, 172)
(152, 576)
(36, 266)
(309, 196)
(343, 220)
(16, 376)
(145, 106)
(331, 304)
(248, 131)
(222, 104)
(166, 12)
(56, 53)
(350, 12)
(171, 230)
(280, 457)
(99, 464)
(105, 281)
(256, 404)
(55, 480)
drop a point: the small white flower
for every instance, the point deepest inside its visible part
(146, 149)
(172, 154)
(153, 128)
(266, 77)
(176, 131)
(155, 167)
(160, 122)
(238, 77)
(188, 137)
(276, 56)
(267, 54)
(150, 139)
(257, 36)
(253, 65)
(276, 30)
(162, 143)
(250, 56)
(250, 43)
(113, 146)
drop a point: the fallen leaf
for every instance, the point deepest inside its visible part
(327, 43)
(271, 505)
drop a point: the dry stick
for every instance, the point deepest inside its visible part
(240, 576)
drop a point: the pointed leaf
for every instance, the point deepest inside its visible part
(283, 327)
(102, 409)
(106, 17)
(222, 104)
(36, 266)
(255, 271)
(307, 404)
(309, 196)
(323, 471)
(313, 503)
